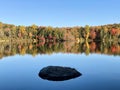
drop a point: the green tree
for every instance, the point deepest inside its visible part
(22, 32)
(87, 30)
(1, 25)
(34, 29)
(13, 32)
(1, 30)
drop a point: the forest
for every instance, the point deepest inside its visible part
(9, 32)
(33, 40)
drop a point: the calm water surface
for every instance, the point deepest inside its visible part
(99, 72)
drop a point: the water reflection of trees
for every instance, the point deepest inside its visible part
(22, 48)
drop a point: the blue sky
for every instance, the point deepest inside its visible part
(60, 12)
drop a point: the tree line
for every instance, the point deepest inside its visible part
(46, 34)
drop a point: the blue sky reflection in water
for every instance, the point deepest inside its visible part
(100, 72)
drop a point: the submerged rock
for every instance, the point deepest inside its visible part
(58, 73)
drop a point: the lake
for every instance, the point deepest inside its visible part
(21, 63)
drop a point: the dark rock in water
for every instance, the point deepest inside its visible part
(58, 73)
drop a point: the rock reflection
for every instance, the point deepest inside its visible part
(58, 73)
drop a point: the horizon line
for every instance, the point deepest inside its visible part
(59, 26)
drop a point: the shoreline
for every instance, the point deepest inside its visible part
(35, 41)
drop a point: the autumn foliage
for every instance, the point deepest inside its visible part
(45, 34)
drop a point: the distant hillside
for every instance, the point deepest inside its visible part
(42, 33)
